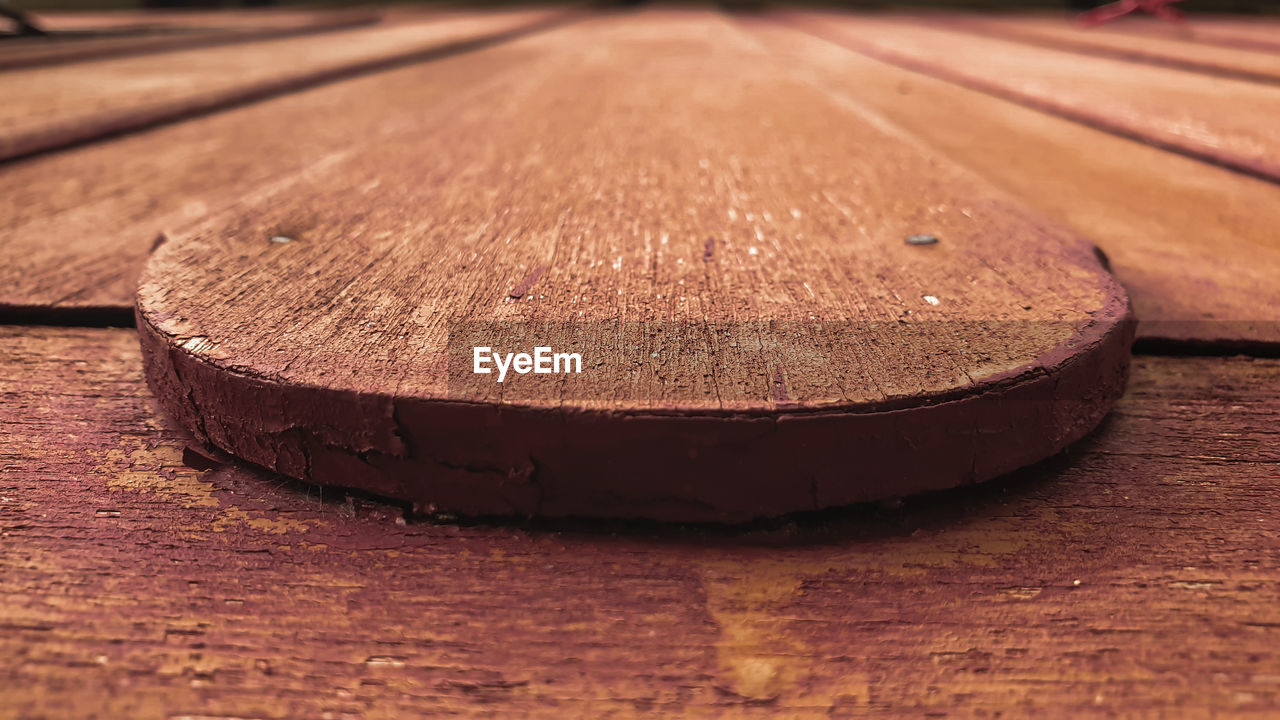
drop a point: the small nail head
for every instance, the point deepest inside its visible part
(281, 239)
(922, 239)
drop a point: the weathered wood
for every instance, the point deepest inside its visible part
(79, 224)
(1253, 33)
(59, 49)
(225, 17)
(1171, 109)
(54, 107)
(1195, 246)
(721, 242)
(1177, 53)
(1136, 576)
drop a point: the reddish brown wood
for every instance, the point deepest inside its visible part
(1176, 52)
(81, 44)
(79, 224)
(1195, 246)
(807, 357)
(1175, 110)
(54, 107)
(73, 247)
(1261, 33)
(1137, 575)
(224, 17)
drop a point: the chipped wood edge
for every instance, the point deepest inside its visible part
(481, 459)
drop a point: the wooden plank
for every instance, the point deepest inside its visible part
(1260, 33)
(1195, 245)
(54, 107)
(1137, 575)
(227, 17)
(79, 224)
(81, 45)
(1170, 109)
(72, 247)
(723, 245)
(1176, 52)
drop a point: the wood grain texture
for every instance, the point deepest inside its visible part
(79, 224)
(53, 107)
(1136, 576)
(1260, 33)
(83, 44)
(74, 21)
(1195, 246)
(1171, 109)
(722, 242)
(1179, 52)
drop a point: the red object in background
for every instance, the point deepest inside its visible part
(1159, 8)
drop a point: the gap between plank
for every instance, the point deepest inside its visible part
(1169, 347)
(123, 317)
(97, 316)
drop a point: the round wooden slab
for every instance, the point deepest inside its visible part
(725, 246)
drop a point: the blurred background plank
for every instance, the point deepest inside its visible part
(96, 38)
(54, 107)
(1225, 122)
(1261, 33)
(1179, 51)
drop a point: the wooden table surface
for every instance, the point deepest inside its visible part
(1136, 574)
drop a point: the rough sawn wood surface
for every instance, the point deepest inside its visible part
(757, 336)
(1136, 576)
